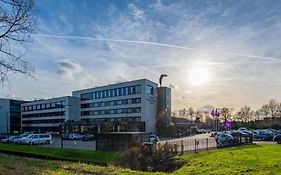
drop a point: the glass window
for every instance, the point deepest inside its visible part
(126, 90)
(138, 89)
(114, 92)
(87, 96)
(119, 92)
(149, 89)
(53, 105)
(34, 107)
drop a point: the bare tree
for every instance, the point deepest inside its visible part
(16, 24)
(226, 113)
(183, 113)
(258, 114)
(191, 113)
(265, 110)
(244, 114)
(273, 108)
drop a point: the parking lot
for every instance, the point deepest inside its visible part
(74, 144)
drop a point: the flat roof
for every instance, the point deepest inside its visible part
(114, 84)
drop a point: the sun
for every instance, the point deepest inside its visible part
(198, 75)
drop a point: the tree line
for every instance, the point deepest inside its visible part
(245, 114)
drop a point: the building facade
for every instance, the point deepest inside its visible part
(128, 107)
(47, 115)
(10, 115)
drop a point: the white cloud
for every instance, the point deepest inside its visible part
(136, 11)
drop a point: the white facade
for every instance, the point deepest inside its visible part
(128, 101)
(48, 114)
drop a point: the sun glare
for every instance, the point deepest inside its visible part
(198, 76)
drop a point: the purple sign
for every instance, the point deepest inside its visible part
(228, 124)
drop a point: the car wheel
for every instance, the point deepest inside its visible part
(47, 142)
(279, 141)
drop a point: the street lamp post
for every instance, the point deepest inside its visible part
(61, 125)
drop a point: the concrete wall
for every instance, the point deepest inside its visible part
(73, 108)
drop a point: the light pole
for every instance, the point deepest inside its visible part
(61, 123)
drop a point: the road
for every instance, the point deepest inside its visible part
(74, 144)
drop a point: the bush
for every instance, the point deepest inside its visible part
(152, 157)
(194, 130)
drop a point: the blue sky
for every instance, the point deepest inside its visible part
(81, 44)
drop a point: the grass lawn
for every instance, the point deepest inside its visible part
(253, 159)
(98, 157)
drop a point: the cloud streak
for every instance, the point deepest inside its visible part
(155, 44)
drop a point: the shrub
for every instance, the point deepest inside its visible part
(152, 157)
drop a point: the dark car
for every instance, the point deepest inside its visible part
(88, 137)
(277, 138)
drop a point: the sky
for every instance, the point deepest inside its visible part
(215, 52)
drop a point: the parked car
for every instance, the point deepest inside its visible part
(262, 135)
(154, 139)
(71, 136)
(277, 138)
(11, 139)
(224, 138)
(33, 139)
(88, 137)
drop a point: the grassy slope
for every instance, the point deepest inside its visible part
(254, 159)
(69, 154)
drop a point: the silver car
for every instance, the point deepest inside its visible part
(33, 139)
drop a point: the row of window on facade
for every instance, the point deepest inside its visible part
(112, 92)
(112, 111)
(117, 119)
(112, 103)
(43, 121)
(48, 114)
(54, 105)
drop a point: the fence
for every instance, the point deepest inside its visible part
(193, 145)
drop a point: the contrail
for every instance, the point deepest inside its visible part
(153, 43)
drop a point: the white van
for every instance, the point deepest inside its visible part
(37, 139)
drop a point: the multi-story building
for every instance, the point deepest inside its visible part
(128, 106)
(10, 115)
(49, 114)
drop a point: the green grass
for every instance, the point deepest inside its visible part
(88, 156)
(258, 159)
